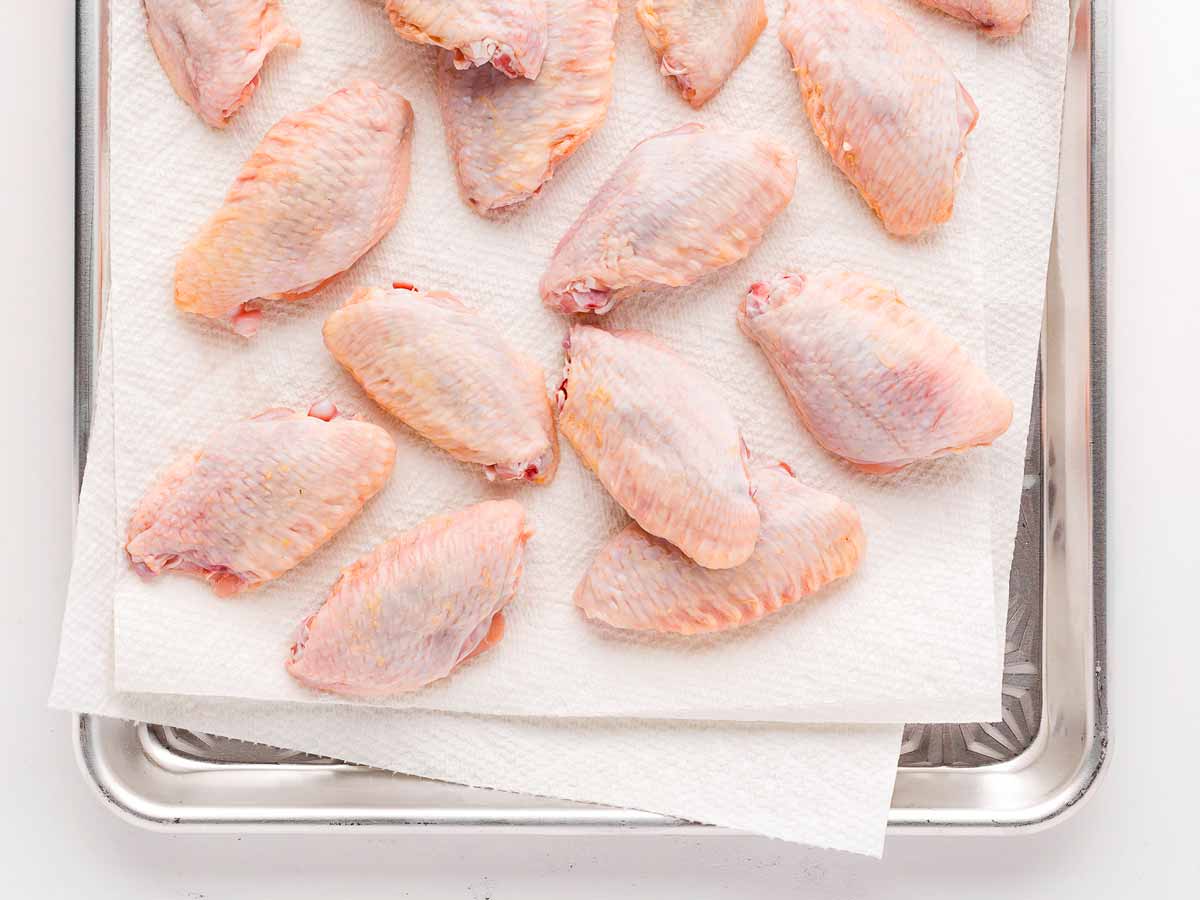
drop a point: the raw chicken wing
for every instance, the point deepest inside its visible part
(807, 540)
(319, 191)
(508, 136)
(212, 50)
(884, 104)
(509, 34)
(661, 440)
(873, 381)
(996, 18)
(700, 42)
(437, 365)
(415, 607)
(258, 497)
(679, 206)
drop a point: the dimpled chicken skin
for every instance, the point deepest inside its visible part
(681, 205)
(509, 34)
(874, 382)
(808, 540)
(890, 112)
(212, 50)
(662, 441)
(996, 18)
(417, 606)
(318, 192)
(700, 42)
(444, 370)
(258, 497)
(507, 136)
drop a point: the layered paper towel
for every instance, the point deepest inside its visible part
(1019, 88)
(824, 785)
(910, 636)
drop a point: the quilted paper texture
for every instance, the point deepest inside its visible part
(1022, 94)
(912, 636)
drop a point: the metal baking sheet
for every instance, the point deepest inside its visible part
(1025, 771)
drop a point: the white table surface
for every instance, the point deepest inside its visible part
(1133, 838)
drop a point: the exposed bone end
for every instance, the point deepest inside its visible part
(325, 410)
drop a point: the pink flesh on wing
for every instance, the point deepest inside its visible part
(681, 205)
(212, 50)
(662, 441)
(873, 381)
(443, 369)
(258, 497)
(416, 607)
(808, 540)
(889, 111)
(322, 188)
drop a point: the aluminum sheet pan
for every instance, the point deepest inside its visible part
(1022, 772)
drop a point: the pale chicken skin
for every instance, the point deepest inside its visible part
(700, 42)
(995, 18)
(662, 441)
(890, 112)
(318, 192)
(441, 368)
(808, 540)
(680, 206)
(212, 50)
(507, 136)
(874, 382)
(508, 34)
(414, 608)
(258, 497)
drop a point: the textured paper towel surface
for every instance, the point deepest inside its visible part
(828, 786)
(1019, 198)
(1018, 238)
(910, 636)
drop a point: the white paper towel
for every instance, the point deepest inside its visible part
(828, 786)
(1019, 199)
(1017, 237)
(911, 636)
